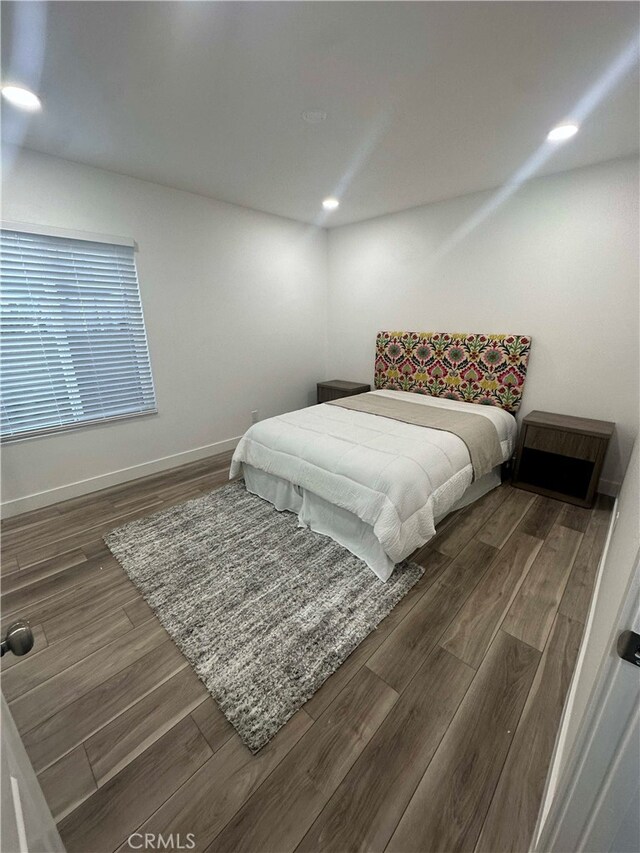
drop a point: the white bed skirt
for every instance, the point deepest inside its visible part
(339, 524)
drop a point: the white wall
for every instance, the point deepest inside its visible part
(235, 309)
(557, 261)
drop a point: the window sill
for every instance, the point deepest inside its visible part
(51, 431)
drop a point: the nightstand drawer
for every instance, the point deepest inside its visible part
(334, 389)
(564, 443)
(327, 394)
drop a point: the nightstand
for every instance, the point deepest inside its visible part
(336, 388)
(561, 456)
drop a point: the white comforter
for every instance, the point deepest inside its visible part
(394, 476)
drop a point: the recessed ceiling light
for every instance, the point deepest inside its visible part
(562, 132)
(22, 98)
(330, 203)
(314, 116)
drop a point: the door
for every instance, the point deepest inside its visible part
(26, 824)
(593, 793)
(603, 811)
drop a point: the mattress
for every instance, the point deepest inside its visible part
(396, 478)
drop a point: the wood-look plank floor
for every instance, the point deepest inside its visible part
(434, 735)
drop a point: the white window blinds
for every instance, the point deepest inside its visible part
(74, 348)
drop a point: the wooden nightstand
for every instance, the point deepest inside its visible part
(561, 456)
(336, 388)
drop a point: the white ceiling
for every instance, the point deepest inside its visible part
(425, 101)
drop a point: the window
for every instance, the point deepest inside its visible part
(74, 347)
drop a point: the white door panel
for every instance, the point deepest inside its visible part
(592, 800)
(26, 825)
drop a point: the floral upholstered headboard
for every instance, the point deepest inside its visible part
(485, 369)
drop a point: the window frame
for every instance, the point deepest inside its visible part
(70, 234)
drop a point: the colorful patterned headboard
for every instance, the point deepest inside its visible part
(485, 369)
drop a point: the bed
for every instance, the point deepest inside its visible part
(377, 472)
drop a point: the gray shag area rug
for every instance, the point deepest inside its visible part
(264, 610)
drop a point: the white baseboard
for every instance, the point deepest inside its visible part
(609, 487)
(155, 466)
(113, 478)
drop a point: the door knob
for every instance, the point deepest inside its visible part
(18, 639)
(629, 647)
